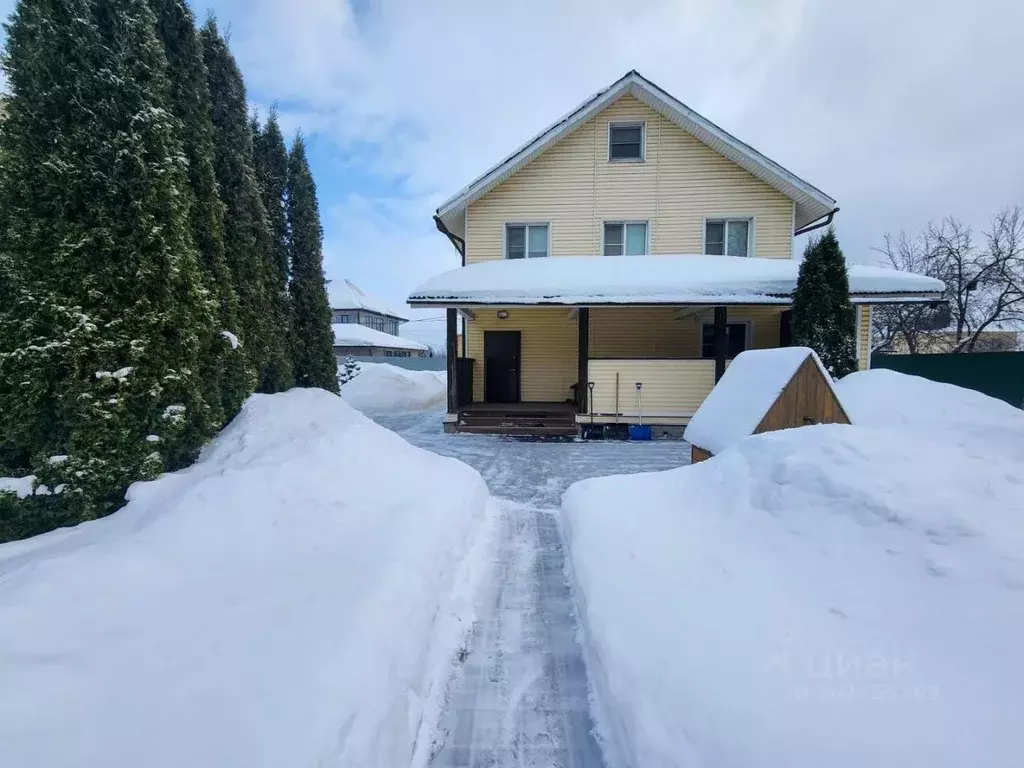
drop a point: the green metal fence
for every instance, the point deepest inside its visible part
(997, 374)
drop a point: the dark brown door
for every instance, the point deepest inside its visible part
(501, 366)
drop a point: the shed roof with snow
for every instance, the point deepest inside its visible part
(764, 390)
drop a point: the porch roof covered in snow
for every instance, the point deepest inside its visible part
(653, 280)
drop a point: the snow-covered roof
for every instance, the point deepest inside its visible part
(748, 389)
(811, 202)
(682, 279)
(353, 335)
(344, 294)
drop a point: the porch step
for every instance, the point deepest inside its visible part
(516, 430)
(518, 422)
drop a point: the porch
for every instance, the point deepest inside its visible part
(530, 379)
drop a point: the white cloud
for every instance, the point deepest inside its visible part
(902, 111)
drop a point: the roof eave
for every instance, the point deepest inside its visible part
(775, 300)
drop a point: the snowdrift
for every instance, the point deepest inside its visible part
(831, 595)
(380, 387)
(293, 599)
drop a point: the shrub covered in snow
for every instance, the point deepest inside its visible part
(293, 599)
(348, 370)
(381, 387)
(829, 595)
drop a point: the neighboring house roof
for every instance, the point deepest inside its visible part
(354, 335)
(682, 279)
(748, 389)
(344, 294)
(811, 202)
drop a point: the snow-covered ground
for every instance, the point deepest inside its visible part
(383, 388)
(832, 595)
(294, 599)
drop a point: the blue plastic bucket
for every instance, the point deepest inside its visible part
(639, 432)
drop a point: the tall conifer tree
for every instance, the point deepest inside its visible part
(104, 334)
(271, 162)
(313, 350)
(823, 317)
(247, 237)
(226, 376)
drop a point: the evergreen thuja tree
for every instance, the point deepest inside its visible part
(247, 237)
(104, 336)
(226, 377)
(270, 159)
(823, 317)
(313, 345)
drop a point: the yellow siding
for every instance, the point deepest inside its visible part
(671, 388)
(680, 183)
(660, 331)
(864, 338)
(549, 342)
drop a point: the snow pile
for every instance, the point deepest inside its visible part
(970, 421)
(751, 385)
(830, 595)
(293, 599)
(380, 387)
(661, 279)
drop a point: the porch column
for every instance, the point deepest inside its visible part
(721, 341)
(583, 372)
(451, 351)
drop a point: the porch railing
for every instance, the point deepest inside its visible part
(671, 388)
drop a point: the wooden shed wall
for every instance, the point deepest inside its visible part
(807, 399)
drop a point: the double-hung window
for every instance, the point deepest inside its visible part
(526, 241)
(625, 238)
(625, 141)
(727, 237)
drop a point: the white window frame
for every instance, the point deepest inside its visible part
(748, 337)
(526, 235)
(726, 218)
(624, 222)
(642, 125)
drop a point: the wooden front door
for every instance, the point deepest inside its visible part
(501, 366)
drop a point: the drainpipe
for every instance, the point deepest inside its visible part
(458, 242)
(460, 246)
(819, 225)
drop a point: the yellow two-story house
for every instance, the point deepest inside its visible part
(614, 264)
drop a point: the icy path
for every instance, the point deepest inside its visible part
(521, 698)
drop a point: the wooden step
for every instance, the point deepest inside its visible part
(519, 430)
(476, 420)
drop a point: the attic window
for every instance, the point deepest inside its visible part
(625, 141)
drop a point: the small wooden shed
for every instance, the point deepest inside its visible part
(763, 390)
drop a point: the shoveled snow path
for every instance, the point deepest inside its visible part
(521, 697)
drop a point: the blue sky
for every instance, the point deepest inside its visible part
(904, 112)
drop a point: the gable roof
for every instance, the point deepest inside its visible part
(744, 395)
(344, 294)
(811, 202)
